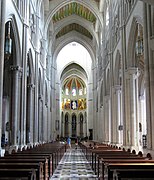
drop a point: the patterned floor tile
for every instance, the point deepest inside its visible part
(73, 166)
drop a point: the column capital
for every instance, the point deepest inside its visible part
(117, 87)
(16, 68)
(132, 71)
(31, 86)
(40, 97)
(107, 97)
(141, 97)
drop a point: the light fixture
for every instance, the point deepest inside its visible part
(139, 42)
(8, 43)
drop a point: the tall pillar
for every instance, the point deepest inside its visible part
(119, 115)
(78, 126)
(148, 77)
(132, 75)
(2, 41)
(70, 126)
(15, 104)
(30, 114)
(40, 118)
(24, 85)
(123, 57)
(107, 123)
(116, 119)
(45, 118)
(36, 121)
(84, 128)
(19, 109)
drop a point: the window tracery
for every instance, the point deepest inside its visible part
(74, 97)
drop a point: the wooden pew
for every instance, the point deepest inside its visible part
(56, 150)
(106, 152)
(112, 154)
(14, 174)
(128, 171)
(45, 159)
(113, 163)
(22, 170)
(102, 161)
(23, 160)
(48, 154)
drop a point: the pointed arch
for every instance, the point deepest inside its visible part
(17, 42)
(117, 69)
(31, 65)
(101, 94)
(66, 124)
(131, 41)
(90, 5)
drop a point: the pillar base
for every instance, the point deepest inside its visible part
(2, 152)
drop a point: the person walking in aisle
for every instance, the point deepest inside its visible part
(76, 142)
(69, 142)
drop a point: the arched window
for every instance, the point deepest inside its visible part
(74, 97)
(67, 91)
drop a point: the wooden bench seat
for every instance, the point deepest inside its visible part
(101, 163)
(111, 153)
(14, 174)
(21, 168)
(46, 154)
(128, 170)
(47, 164)
(114, 156)
(47, 160)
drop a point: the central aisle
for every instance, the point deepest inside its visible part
(73, 166)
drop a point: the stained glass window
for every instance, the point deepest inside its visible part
(74, 92)
(67, 91)
(80, 92)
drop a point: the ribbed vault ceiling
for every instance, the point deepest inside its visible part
(74, 27)
(75, 8)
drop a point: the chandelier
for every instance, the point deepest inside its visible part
(8, 43)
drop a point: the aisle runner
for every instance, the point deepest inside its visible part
(73, 166)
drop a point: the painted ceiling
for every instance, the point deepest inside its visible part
(73, 82)
(74, 8)
(75, 27)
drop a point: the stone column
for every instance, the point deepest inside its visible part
(148, 78)
(123, 57)
(36, 121)
(132, 74)
(45, 123)
(19, 109)
(117, 114)
(2, 41)
(15, 104)
(107, 123)
(84, 128)
(30, 114)
(70, 126)
(114, 113)
(24, 84)
(40, 118)
(93, 110)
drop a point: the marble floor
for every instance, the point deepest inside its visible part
(73, 166)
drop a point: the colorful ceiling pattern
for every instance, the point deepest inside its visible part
(75, 27)
(73, 82)
(76, 9)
